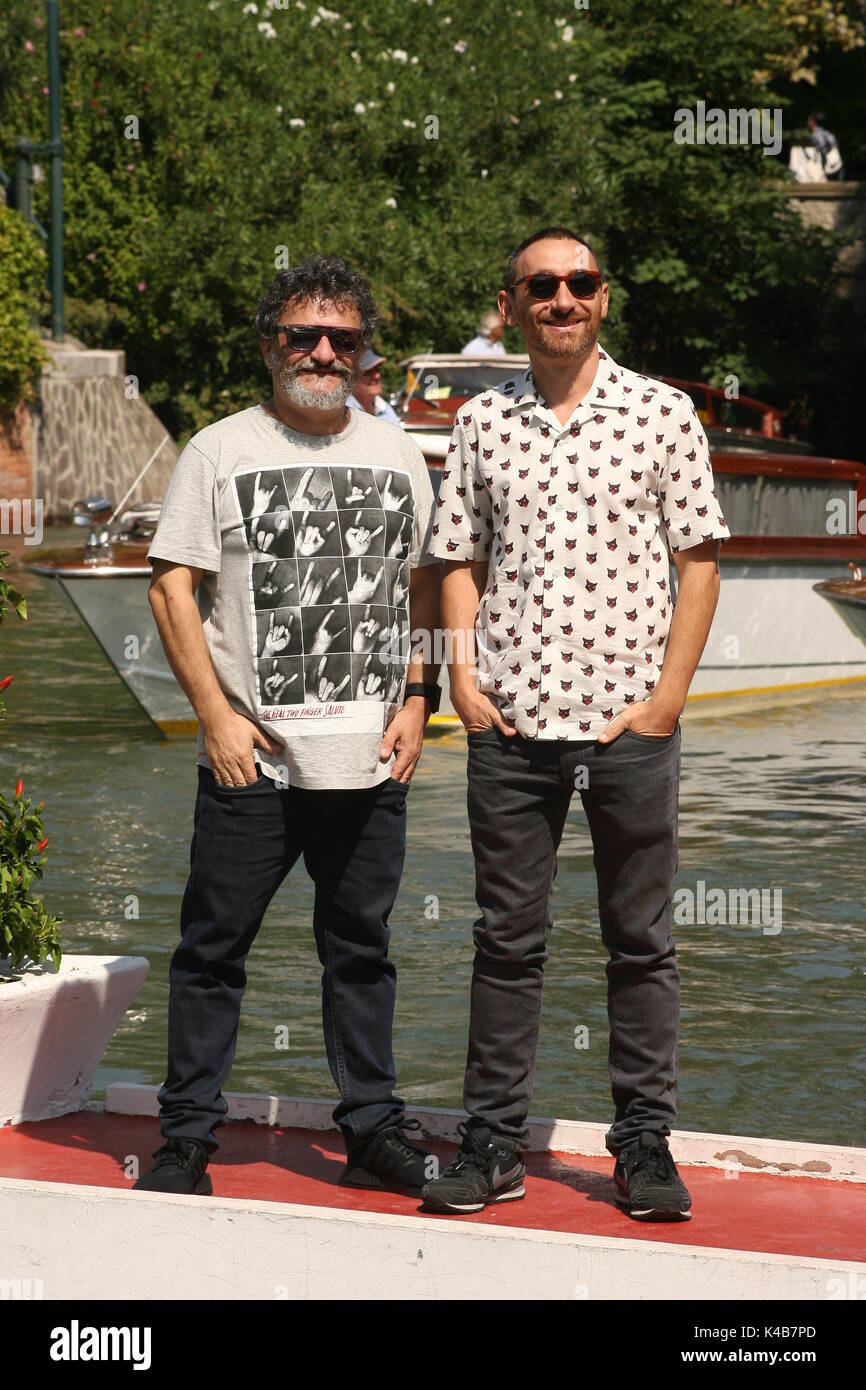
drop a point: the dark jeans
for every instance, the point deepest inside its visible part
(519, 794)
(245, 841)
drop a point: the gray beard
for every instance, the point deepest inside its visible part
(297, 393)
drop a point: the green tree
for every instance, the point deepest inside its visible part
(22, 272)
(422, 141)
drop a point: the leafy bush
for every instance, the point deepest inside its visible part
(27, 930)
(22, 272)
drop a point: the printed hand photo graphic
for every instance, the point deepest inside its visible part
(365, 633)
(370, 683)
(391, 500)
(271, 593)
(364, 587)
(265, 534)
(306, 498)
(324, 639)
(359, 539)
(309, 538)
(323, 687)
(276, 683)
(355, 497)
(392, 640)
(314, 590)
(278, 636)
(261, 499)
(400, 591)
(397, 546)
(395, 683)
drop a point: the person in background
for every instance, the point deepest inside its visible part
(488, 336)
(827, 147)
(367, 394)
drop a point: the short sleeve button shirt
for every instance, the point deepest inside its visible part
(576, 521)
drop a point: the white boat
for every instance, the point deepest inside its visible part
(849, 598)
(775, 634)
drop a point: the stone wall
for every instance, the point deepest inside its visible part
(93, 438)
(839, 207)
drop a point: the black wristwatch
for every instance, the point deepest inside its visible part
(433, 693)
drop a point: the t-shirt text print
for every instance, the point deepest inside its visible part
(576, 520)
(329, 586)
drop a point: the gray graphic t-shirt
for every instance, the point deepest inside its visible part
(306, 542)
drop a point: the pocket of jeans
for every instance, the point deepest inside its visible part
(475, 735)
(234, 791)
(651, 738)
(403, 786)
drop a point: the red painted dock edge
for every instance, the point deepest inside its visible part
(570, 1193)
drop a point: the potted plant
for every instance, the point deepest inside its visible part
(56, 1015)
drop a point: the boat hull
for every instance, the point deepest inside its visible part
(773, 635)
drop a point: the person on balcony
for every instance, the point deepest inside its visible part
(827, 146)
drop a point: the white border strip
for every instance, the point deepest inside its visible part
(733, 1152)
(148, 1246)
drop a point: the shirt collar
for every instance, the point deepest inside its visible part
(606, 389)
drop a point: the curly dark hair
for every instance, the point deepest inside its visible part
(318, 278)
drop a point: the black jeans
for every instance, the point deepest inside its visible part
(245, 841)
(519, 795)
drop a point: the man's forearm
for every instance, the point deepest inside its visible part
(178, 622)
(424, 603)
(697, 596)
(463, 585)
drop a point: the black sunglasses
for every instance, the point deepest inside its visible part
(303, 337)
(582, 284)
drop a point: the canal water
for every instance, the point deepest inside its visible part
(773, 1040)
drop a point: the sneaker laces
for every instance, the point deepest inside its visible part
(474, 1152)
(401, 1142)
(656, 1158)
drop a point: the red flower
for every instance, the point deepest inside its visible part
(42, 843)
(41, 806)
(19, 787)
(7, 680)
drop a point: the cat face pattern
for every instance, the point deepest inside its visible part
(574, 521)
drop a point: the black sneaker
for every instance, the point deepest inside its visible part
(180, 1167)
(387, 1161)
(481, 1174)
(648, 1183)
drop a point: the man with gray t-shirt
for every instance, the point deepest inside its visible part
(290, 552)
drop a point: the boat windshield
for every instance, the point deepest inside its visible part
(757, 505)
(437, 383)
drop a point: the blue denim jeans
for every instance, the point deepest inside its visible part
(245, 841)
(518, 799)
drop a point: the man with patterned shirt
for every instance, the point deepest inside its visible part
(563, 491)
